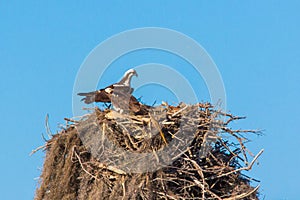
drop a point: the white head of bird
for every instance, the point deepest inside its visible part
(127, 77)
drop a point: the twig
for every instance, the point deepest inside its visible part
(116, 170)
(247, 168)
(123, 186)
(159, 129)
(81, 164)
(49, 133)
(179, 111)
(37, 149)
(240, 196)
(70, 120)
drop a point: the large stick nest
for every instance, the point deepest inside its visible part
(169, 153)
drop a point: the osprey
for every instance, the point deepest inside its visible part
(119, 94)
(105, 94)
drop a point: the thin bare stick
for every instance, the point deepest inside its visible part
(159, 129)
(81, 164)
(247, 168)
(240, 196)
(70, 120)
(49, 133)
(37, 149)
(179, 111)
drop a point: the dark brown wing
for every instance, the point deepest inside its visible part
(104, 95)
(124, 102)
(120, 99)
(137, 107)
(96, 96)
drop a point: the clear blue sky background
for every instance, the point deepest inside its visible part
(255, 45)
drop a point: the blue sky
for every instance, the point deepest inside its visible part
(254, 44)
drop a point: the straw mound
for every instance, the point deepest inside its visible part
(170, 153)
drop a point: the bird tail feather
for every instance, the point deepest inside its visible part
(89, 97)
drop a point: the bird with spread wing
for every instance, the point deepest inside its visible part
(119, 94)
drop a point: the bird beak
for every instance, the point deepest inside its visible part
(136, 74)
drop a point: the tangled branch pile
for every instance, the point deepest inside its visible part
(170, 153)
